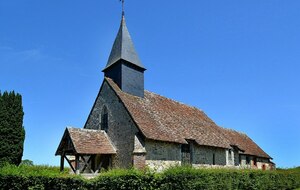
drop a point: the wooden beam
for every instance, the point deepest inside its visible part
(99, 167)
(77, 164)
(109, 162)
(62, 159)
(86, 163)
(70, 164)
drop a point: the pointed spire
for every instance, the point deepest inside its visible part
(123, 48)
(123, 12)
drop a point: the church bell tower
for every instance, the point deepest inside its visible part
(124, 66)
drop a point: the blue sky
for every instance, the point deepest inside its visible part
(239, 61)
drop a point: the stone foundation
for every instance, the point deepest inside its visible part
(200, 166)
(160, 165)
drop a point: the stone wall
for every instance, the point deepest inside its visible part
(121, 128)
(200, 166)
(204, 155)
(162, 155)
(261, 163)
(161, 165)
(157, 150)
(232, 157)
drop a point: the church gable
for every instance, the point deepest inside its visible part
(120, 127)
(85, 141)
(95, 118)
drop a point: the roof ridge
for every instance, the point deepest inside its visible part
(229, 129)
(153, 93)
(84, 129)
(108, 138)
(176, 101)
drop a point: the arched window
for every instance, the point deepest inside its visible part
(104, 119)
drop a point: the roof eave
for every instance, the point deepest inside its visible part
(112, 64)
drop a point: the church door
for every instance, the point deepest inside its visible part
(186, 154)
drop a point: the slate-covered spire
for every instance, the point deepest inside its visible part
(123, 48)
(124, 66)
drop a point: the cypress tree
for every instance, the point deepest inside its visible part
(12, 133)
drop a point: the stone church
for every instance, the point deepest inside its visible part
(129, 126)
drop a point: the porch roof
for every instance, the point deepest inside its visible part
(85, 141)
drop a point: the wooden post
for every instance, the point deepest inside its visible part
(77, 164)
(62, 159)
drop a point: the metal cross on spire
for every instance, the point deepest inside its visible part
(122, 7)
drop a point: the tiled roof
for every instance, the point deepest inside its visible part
(163, 119)
(244, 143)
(88, 141)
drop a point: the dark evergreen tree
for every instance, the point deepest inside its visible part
(12, 133)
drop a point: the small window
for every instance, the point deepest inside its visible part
(247, 160)
(254, 161)
(229, 154)
(185, 148)
(104, 119)
(214, 159)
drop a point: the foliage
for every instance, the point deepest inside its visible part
(125, 179)
(27, 162)
(191, 178)
(183, 178)
(37, 177)
(12, 133)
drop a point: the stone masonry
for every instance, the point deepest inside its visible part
(121, 128)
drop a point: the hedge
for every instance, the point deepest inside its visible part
(44, 178)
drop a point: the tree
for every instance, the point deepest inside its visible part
(12, 133)
(27, 162)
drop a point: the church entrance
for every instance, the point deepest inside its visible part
(102, 161)
(83, 152)
(89, 163)
(186, 157)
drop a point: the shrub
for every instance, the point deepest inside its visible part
(191, 178)
(27, 162)
(182, 178)
(124, 179)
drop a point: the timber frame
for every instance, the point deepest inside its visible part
(81, 159)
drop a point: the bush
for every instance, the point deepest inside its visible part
(191, 178)
(38, 177)
(182, 178)
(27, 162)
(125, 179)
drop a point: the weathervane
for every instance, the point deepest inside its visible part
(122, 7)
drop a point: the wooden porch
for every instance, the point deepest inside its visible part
(86, 151)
